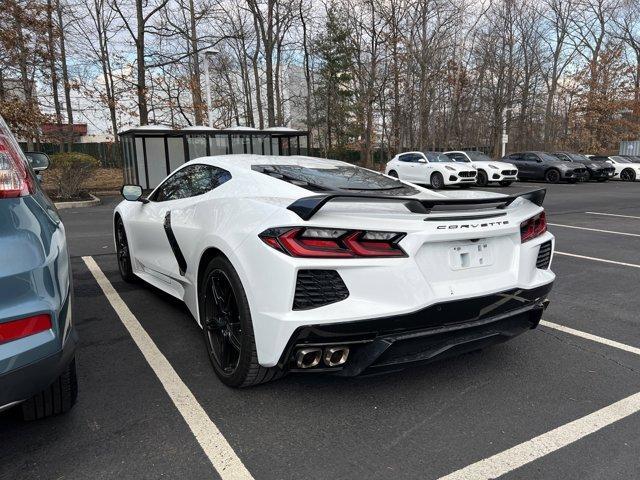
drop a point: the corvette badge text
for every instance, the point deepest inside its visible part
(473, 225)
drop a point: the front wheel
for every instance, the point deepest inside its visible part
(227, 327)
(393, 174)
(627, 175)
(482, 179)
(123, 253)
(437, 181)
(552, 176)
(505, 183)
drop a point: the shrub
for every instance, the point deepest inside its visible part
(70, 171)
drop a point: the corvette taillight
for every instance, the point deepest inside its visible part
(533, 227)
(311, 242)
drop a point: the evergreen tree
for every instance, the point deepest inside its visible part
(335, 91)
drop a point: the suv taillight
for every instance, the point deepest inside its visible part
(533, 227)
(311, 242)
(15, 178)
(24, 327)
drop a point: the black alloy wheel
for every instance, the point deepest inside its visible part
(123, 253)
(228, 329)
(437, 181)
(552, 176)
(393, 173)
(222, 325)
(482, 179)
(627, 175)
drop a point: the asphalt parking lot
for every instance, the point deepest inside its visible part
(571, 383)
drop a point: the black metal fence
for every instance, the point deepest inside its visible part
(106, 152)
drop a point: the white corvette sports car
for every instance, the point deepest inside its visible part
(431, 168)
(304, 264)
(488, 170)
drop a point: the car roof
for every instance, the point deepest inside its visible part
(247, 161)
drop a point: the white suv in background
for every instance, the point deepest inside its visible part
(626, 170)
(488, 170)
(431, 168)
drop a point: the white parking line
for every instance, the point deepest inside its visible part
(215, 446)
(612, 215)
(595, 259)
(594, 230)
(589, 336)
(526, 452)
(542, 445)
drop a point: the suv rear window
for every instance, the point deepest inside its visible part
(336, 178)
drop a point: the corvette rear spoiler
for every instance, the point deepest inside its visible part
(307, 207)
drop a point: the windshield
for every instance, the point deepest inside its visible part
(548, 157)
(479, 157)
(620, 159)
(331, 177)
(437, 157)
(577, 157)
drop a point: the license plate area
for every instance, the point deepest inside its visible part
(473, 255)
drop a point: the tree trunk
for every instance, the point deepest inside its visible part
(51, 52)
(196, 88)
(65, 79)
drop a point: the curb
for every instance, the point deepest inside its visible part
(79, 204)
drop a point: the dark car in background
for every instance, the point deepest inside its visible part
(37, 336)
(598, 170)
(543, 166)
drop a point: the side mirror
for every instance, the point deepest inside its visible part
(39, 161)
(538, 160)
(422, 160)
(133, 193)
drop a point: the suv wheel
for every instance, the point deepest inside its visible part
(628, 175)
(59, 397)
(482, 179)
(552, 175)
(437, 181)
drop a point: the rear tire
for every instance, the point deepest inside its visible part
(228, 329)
(505, 183)
(437, 181)
(552, 175)
(123, 253)
(482, 179)
(59, 397)
(393, 173)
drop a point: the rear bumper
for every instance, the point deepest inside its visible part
(438, 331)
(22, 383)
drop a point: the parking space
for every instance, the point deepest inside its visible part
(423, 422)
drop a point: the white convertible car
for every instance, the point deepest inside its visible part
(431, 168)
(303, 264)
(488, 170)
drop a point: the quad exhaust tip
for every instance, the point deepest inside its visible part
(308, 357)
(335, 356)
(312, 356)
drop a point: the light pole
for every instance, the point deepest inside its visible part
(207, 80)
(505, 137)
